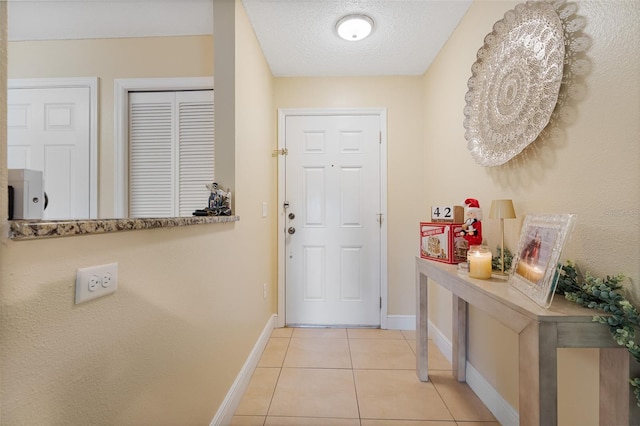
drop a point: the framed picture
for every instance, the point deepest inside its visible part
(535, 263)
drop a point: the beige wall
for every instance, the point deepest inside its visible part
(402, 98)
(109, 59)
(166, 347)
(590, 169)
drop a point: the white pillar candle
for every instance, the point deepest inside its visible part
(479, 263)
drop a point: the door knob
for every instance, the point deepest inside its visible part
(292, 216)
(291, 230)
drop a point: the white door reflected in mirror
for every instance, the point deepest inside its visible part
(48, 129)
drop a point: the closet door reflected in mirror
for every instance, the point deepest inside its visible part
(171, 152)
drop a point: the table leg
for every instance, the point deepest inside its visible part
(538, 370)
(422, 326)
(460, 308)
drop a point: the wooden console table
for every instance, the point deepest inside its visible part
(540, 332)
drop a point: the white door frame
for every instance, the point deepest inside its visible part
(283, 113)
(121, 89)
(90, 83)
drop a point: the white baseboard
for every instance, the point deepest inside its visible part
(401, 322)
(441, 341)
(501, 409)
(239, 386)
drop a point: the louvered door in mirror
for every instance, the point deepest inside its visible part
(171, 152)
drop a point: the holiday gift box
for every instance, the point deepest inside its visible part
(440, 241)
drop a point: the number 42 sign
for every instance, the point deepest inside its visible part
(452, 214)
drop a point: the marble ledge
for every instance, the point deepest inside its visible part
(38, 229)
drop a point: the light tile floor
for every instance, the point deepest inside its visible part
(354, 377)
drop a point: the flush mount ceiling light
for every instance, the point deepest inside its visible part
(354, 27)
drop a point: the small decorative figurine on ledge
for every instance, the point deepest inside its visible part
(219, 203)
(472, 227)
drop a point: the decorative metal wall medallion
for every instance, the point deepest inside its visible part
(515, 82)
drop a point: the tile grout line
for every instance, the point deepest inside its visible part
(353, 375)
(277, 381)
(443, 401)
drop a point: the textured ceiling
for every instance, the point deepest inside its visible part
(297, 37)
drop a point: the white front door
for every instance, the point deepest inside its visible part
(48, 129)
(333, 221)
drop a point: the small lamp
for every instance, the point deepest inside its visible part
(502, 209)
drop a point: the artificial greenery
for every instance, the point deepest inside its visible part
(606, 295)
(496, 261)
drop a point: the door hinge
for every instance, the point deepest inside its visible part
(379, 137)
(276, 152)
(381, 303)
(380, 219)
